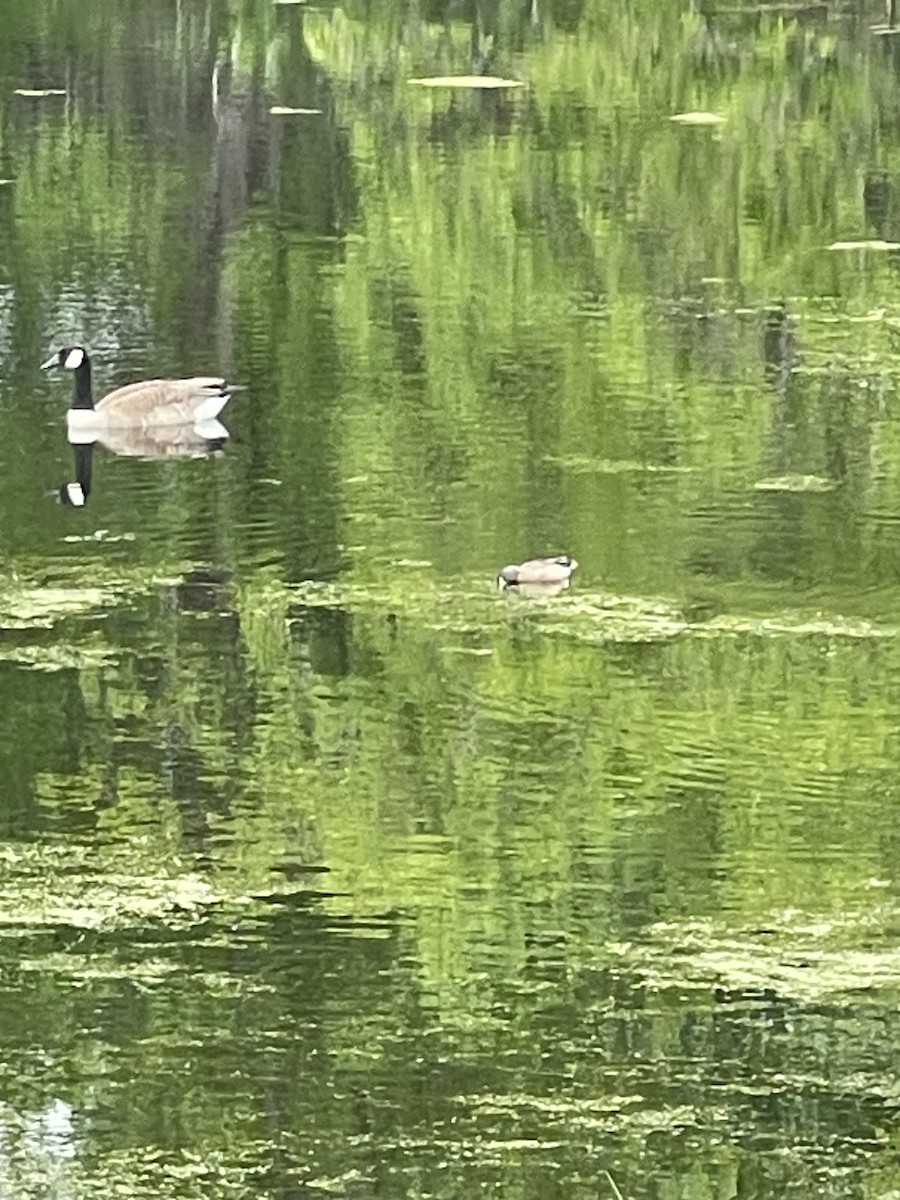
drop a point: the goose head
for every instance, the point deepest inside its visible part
(70, 357)
(77, 360)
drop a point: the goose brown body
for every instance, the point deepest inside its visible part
(164, 401)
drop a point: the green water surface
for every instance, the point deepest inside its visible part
(326, 869)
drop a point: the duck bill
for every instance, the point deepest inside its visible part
(52, 361)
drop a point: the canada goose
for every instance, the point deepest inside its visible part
(552, 573)
(148, 403)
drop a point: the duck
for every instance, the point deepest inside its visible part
(150, 402)
(551, 573)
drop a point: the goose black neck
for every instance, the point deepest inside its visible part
(83, 396)
(84, 458)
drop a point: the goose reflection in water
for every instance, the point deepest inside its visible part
(163, 441)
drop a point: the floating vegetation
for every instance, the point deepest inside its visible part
(613, 1113)
(39, 604)
(37, 93)
(698, 118)
(63, 657)
(43, 886)
(792, 625)
(801, 955)
(283, 110)
(28, 607)
(874, 244)
(467, 81)
(474, 609)
(796, 483)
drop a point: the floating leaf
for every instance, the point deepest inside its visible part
(99, 535)
(38, 92)
(874, 244)
(613, 466)
(467, 81)
(698, 118)
(877, 314)
(282, 110)
(795, 483)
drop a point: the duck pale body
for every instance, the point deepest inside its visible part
(540, 572)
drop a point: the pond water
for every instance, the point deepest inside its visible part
(327, 869)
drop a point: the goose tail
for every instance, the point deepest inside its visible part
(209, 407)
(210, 403)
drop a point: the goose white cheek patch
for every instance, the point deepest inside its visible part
(76, 494)
(74, 359)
